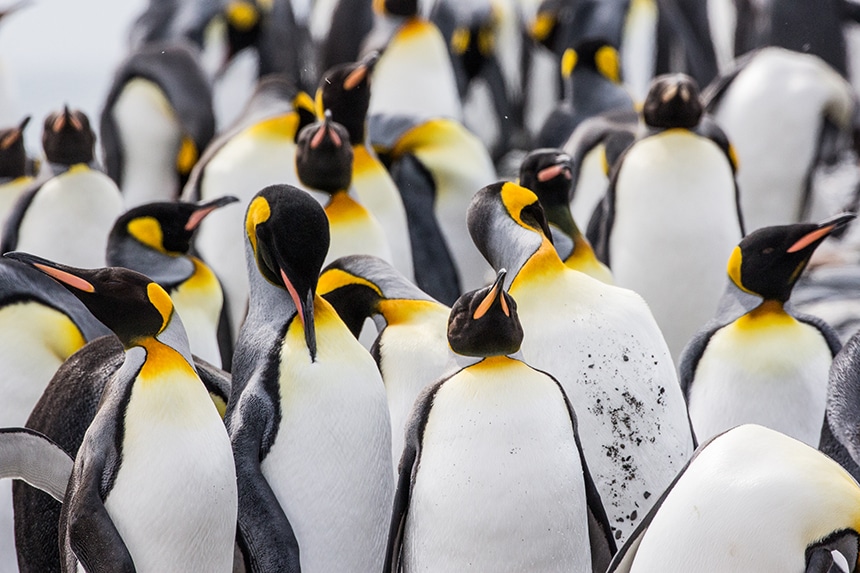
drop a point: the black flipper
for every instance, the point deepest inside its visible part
(9, 241)
(820, 558)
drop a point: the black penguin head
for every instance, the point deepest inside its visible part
(345, 91)
(400, 8)
(597, 55)
(484, 322)
(494, 214)
(13, 156)
(768, 262)
(166, 227)
(474, 41)
(324, 156)
(244, 22)
(673, 101)
(548, 172)
(289, 237)
(125, 301)
(68, 138)
(548, 22)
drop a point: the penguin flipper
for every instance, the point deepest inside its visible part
(822, 557)
(36, 459)
(216, 380)
(264, 532)
(435, 272)
(9, 241)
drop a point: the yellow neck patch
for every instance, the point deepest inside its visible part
(278, 127)
(769, 313)
(336, 278)
(161, 301)
(342, 207)
(258, 213)
(400, 311)
(147, 230)
(161, 359)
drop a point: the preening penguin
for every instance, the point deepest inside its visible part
(411, 349)
(153, 487)
(155, 239)
(671, 215)
(604, 347)
(345, 91)
(547, 172)
(14, 176)
(492, 475)
(756, 361)
(324, 161)
(67, 217)
(258, 151)
(155, 121)
(307, 416)
(751, 499)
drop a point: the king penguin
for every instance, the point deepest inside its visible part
(759, 362)
(345, 91)
(751, 499)
(14, 176)
(307, 415)
(324, 163)
(785, 113)
(547, 172)
(259, 150)
(154, 239)
(153, 487)
(602, 344)
(41, 326)
(672, 214)
(411, 349)
(493, 476)
(67, 217)
(437, 164)
(155, 121)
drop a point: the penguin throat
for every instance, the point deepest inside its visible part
(544, 263)
(162, 362)
(770, 312)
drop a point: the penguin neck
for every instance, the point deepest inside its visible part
(402, 311)
(362, 159)
(163, 362)
(493, 362)
(769, 312)
(543, 264)
(341, 206)
(61, 168)
(168, 270)
(14, 180)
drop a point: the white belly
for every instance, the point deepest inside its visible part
(776, 378)
(150, 137)
(600, 342)
(330, 467)
(499, 486)
(174, 501)
(590, 187)
(675, 226)
(70, 218)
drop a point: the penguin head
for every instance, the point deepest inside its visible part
(484, 322)
(548, 173)
(125, 301)
(399, 8)
(673, 101)
(473, 42)
(166, 227)
(324, 156)
(289, 238)
(244, 22)
(768, 261)
(13, 156)
(597, 55)
(345, 90)
(507, 224)
(545, 28)
(67, 137)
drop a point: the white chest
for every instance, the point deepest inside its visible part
(70, 218)
(499, 482)
(775, 377)
(330, 466)
(174, 501)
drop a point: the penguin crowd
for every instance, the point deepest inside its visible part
(431, 286)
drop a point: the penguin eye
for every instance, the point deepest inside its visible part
(767, 250)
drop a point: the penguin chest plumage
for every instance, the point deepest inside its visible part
(675, 224)
(34, 341)
(174, 499)
(751, 501)
(330, 465)
(150, 136)
(414, 75)
(70, 217)
(605, 349)
(198, 301)
(354, 230)
(770, 371)
(591, 185)
(498, 470)
(377, 191)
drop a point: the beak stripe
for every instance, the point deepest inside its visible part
(67, 278)
(294, 295)
(355, 77)
(810, 238)
(486, 303)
